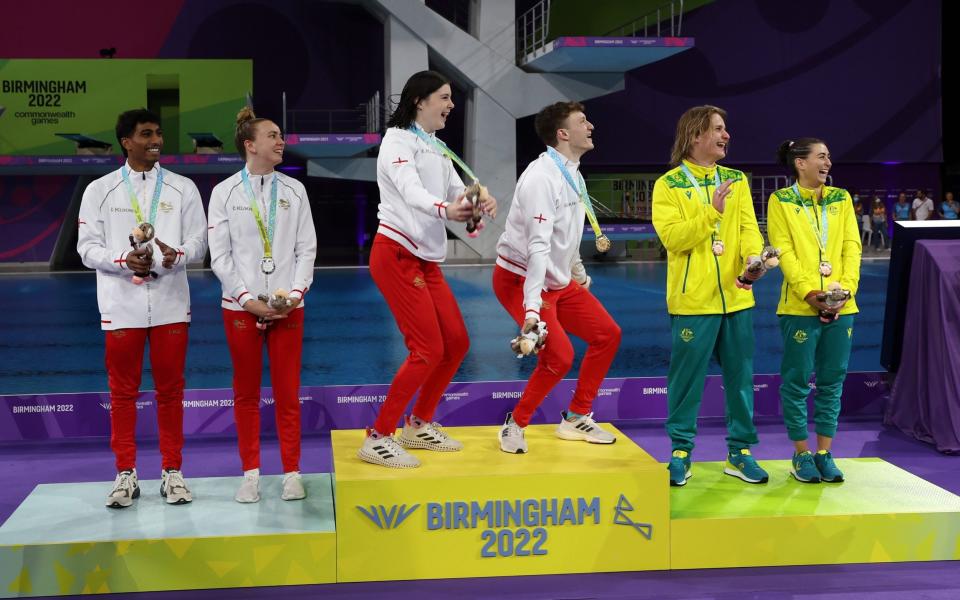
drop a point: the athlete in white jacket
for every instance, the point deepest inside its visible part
(419, 192)
(539, 277)
(262, 239)
(158, 309)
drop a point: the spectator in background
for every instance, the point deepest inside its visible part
(901, 208)
(922, 207)
(858, 211)
(879, 221)
(950, 209)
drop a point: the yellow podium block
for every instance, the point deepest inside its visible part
(881, 513)
(565, 507)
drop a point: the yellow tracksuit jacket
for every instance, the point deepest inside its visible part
(699, 283)
(791, 230)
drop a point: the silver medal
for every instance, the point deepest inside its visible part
(267, 265)
(825, 268)
(718, 247)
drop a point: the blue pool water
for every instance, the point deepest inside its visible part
(51, 341)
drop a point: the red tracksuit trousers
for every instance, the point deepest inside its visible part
(432, 326)
(284, 340)
(572, 309)
(124, 361)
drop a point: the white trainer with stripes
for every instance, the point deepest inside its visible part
(584, 429)
(428, 436)
(384, 450)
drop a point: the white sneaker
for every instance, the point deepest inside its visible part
(293, 487)
(585, 429)
(387, 452)
(125, 490)
(429, 436)
(249, 490)
(512, 438)
(174, 488)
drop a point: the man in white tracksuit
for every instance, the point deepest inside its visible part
(133, 309)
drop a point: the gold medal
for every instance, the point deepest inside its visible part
(603, 243)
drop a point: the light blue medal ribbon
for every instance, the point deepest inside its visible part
(445, 150)
(125, 174)
(602, 241)
(266, 231)
(702, 194)
(820, 232)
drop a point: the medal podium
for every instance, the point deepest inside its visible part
(565, 507)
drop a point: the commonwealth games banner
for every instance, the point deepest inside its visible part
(53, 416)
(42, 100)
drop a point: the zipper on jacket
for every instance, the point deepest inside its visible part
(787, 293)
(685, 272)
(723, 300)
(819, 262)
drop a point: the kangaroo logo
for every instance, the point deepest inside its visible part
(620, 518)
(388, 518)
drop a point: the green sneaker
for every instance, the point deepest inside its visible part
(741, 464)
(828, 469)
(803, 468)
(679, 468)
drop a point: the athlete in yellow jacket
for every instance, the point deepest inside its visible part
(815, 228)
(704, 216)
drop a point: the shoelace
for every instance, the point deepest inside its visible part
(588, 419)
(175, 481)
(805, 459)
(438, 431)
(124, 481)
(391, 445)
(515, 430)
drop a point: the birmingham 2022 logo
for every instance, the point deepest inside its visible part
(509, 527)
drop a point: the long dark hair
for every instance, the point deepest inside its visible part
(418, 87)
(790, 150)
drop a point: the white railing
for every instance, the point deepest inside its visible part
(672, 12)
(366, 117)
(533, 26)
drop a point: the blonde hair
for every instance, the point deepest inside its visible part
(692, 123)
(246, 129)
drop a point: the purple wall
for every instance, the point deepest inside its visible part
(323, 54)
(862, 74)
(326, 55)
(31, 213)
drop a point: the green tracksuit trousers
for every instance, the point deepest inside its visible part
(728, 338)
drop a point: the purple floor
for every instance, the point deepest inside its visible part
(23, 465)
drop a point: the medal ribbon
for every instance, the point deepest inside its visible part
(133, 196)
(266, 232)
(819, 231)
(702, 193)
(580, 190)
(445, 150)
